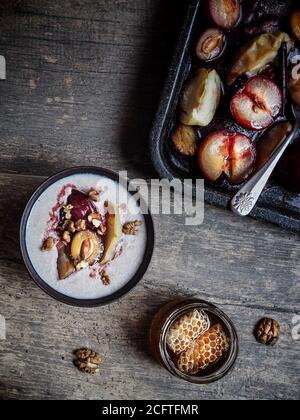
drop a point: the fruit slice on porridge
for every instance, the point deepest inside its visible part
(88, 234)
(113, 233)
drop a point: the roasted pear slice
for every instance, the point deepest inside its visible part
(201, 98)
(113, 233)
(86, 246)
(257, 54)
(65, 265)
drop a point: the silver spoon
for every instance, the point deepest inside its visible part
(245, 200)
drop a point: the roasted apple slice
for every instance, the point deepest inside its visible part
(201, 98)
(257, 54)
(228, 153)
(86, 246)
(113, 233)
(257, 104)
(266, 24)
(225, 13)
(210, 44)
(65, 265)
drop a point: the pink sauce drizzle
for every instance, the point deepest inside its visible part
(54, 216)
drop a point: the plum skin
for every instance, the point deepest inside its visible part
(226, 14)
(245, 93)
(82, 205)
(226, 160)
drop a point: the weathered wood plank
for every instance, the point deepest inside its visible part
(248, 281)
(84, 79)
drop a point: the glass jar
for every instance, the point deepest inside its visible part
(166, 318)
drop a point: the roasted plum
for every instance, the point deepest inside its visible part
(269, 24)
(225, 13)
(294, 86)
(86, 246)
(82, 205)
(269, 142)
(226, 153)
(288, 170)
(201, 98)
(257, 103)
(65, 265)
(295, 24)
(211, 44)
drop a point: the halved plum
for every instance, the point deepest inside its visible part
(211, 44)
(256, 105)
(288, 171)
(225, 13)
(86, 246)
(82, 205)
(226, 153)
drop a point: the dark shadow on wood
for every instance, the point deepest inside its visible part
(15, 193)
(153, 69)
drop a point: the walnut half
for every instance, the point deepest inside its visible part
(130, 228)
(48, 244)
(87, 361)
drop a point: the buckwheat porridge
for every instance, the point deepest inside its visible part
(86, 236)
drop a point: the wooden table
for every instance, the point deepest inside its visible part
(83, 82)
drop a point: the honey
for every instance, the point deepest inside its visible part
(194, 340)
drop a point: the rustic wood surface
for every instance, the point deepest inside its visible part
(83, 81)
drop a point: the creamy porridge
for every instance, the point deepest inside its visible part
(86, 236)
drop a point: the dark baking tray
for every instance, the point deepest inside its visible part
(276, 204)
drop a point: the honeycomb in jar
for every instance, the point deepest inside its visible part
(205, 351)
(184, 331)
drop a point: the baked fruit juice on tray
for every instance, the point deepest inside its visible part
(225, 106)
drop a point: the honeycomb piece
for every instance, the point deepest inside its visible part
(205, 351)
(185, 331)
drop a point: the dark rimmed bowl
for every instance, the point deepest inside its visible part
(42, 284)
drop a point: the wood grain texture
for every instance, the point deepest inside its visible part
(83, 82)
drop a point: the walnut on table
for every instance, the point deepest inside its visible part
(87, 361)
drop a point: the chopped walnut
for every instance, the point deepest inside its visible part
(105, 278)
(80, 225)
(96, 223)
(101, 230)
(87, 361)
(94, 195)
(69, 226)
(130, 228)
(68, 207)
(48, 244)
(82, 265)
(67, 211)
(68, 215)
(66, 237)
(94, 216)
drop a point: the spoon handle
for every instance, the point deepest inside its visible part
(245, 200)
